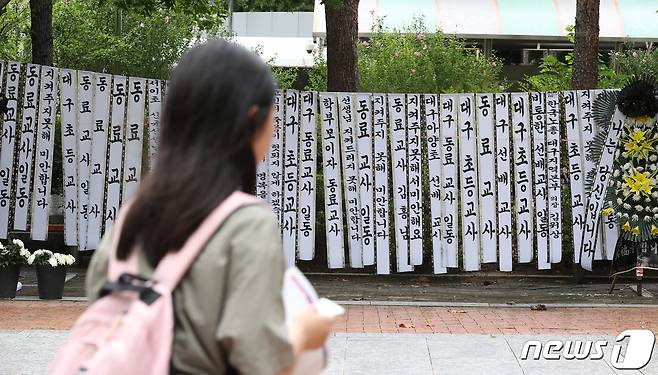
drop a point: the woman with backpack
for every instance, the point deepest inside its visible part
(228, 314)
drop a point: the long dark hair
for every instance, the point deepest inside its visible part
(205, 150)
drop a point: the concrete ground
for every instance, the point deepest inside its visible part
(28, 352)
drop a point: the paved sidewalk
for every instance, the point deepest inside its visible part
(30, 352)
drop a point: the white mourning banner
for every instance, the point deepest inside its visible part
(350, 178)
(307, 171)
(415, 180)
(538, 107)
(332, 180)
(553, 163)
(155, 107)
(449, 179)
(576, 170)
(103, 86)
(261, 177)
(85, 121)
(487, 176)
(522, 176)
(380, 136)
(469, 184)
(588, 132)
(290, 176)
(68, 84)
(43, 164)
(432, 126)
(26, 146)
(116, 137)
(363, 111)
(275, 178)
(597, 195)
(399, 163)
(132, 166)
(8, 143)
(504, 180)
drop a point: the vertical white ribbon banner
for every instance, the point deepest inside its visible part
(576, 169)
(415, 180)
(363, 115)
(307, 171)
(155, 107)
(432, 127)
(115, 140)
(68, 84)
(333, 207)
(275, 178)
(553, 115)
(597, 194)
(26, 146)
(538, 109)
(8, 143)
(400, 165)
(350, 178)
(85, 121)
(449, 179)
(290, 176)
(132, 166)
(469, 183)
(522, 176)
(380, 136)
(103, 87)
(487, 177)
(43, 164)
(504, 180)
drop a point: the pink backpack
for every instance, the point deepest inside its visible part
(130, 329)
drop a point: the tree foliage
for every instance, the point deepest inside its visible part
(274, 5)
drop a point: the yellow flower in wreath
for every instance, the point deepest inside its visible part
(637, 145)
(606, 211)
(635, 231)
(654, 230)
(626, 227)
(639, 182)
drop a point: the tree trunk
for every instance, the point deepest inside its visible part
(585, 64)
(41, 13)
(342, 35)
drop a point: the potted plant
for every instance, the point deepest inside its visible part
(51, 272)
(12, 257)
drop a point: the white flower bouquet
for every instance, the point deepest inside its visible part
(13, 254)
(48, 258)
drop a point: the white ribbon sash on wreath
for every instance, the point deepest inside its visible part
(597, 194)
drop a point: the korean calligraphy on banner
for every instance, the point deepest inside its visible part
(155, 107)
(69, 115)
(449, 179)
(576, 169)
(116, 139)
(333, 208)
(469, 183)
(307, 172)
(290, 177)
(381, 162)
(43, 164)
(26, 146)
(132, 165)
(275, 178)
(553, 176)
(487, 177)
(414, 164)
(538, 108)
(363, 110)
(504, 182)
(432, 122)
(10, 119)
(85, 119)
(522, 176)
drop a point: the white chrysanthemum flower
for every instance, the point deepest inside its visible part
(647, 218)
(653, 167)
(636, 197)
(625, 215)
(647, 209)
(653, 158)
(652, 181)
(18, 242)
(655, 216)
(616, 173)
(627, 206)
(24, 253)
(2, 246)
(60, 258)
(618, 184)
(53, 261)
(639, 208)
(619, 201)
(627, 166)
(634, 218)
(647, 200)
(30, 259)
(70, 260)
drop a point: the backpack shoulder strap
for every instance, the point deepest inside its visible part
(174, 265)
